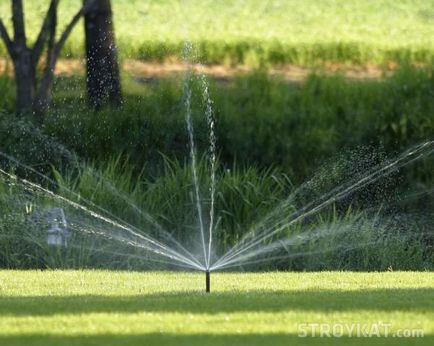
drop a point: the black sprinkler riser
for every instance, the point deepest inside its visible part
(207, 281)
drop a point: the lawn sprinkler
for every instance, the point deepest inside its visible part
(207, 281)
(57, 233)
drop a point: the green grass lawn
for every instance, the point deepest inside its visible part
(277, 31)
(155, 308)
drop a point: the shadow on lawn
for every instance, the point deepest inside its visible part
(203, 339)
(216, 302)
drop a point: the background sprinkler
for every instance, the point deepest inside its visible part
(207, 281)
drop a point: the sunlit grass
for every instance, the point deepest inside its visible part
(276, 31)
(108, 308)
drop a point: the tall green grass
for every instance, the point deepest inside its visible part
(336, 239)
(260, 120)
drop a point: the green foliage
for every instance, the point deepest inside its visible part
(27, 143)
(260, 120)
(7, 87)
(298, 126)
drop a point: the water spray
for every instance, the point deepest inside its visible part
(207, 281)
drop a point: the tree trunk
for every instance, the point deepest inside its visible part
(25, 79)
(43, 97)
(25, 59)
(103, 83)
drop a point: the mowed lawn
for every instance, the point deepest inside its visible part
(156, 308)
(277, 31)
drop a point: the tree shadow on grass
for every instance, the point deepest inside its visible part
(411, 300)
(204, 339)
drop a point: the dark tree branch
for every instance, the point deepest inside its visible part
(43, 97)
(18, 23)
(52, 25)
(59, 45)
(51, 58)
(45, 29)
(6, 39)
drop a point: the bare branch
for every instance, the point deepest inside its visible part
(46, 26)
(6, 39)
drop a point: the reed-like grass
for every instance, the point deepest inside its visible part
(260, 120)
(340, 237)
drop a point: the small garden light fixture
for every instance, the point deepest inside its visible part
(57, 233)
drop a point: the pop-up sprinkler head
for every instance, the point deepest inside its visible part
(207, 281)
